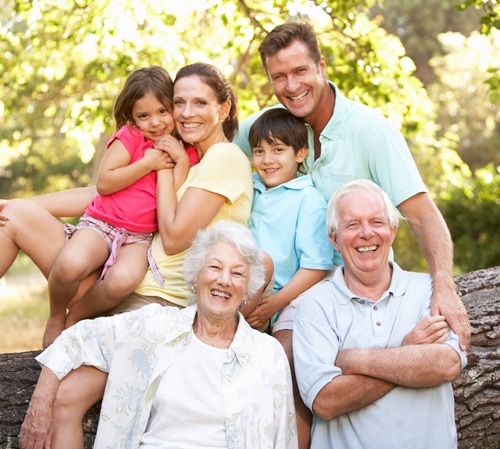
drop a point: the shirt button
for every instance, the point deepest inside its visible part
(378, 323)
(375, 308)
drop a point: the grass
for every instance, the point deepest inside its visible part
(24, 307)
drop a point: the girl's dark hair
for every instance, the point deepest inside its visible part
(154, 80)
(214, 78)
(278, 124)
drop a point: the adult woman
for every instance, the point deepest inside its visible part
(180, 378)
(205, 113)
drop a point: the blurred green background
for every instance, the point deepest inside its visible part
(430, 66)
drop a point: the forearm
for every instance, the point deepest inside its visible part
(433, 236)
(166, 206)
(67, 203)
(37, 423)
(414, 366)
(180, 172)
(348, 393)
(300, 282)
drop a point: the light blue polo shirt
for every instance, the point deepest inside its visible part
(357, 143)
(330, 319)
(288, 222)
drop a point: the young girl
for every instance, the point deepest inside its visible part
(117, 227)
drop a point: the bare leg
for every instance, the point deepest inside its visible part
(81, 256)
(303, 414)
(118, 284)
(77, 392)
(32, 229)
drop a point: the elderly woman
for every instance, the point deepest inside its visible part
(183, 378)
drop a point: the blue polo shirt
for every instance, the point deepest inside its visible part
(288, 222)
(356, 143)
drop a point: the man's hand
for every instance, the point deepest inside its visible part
(447, 303)
(428, 330)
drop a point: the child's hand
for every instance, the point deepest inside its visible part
(263, 312)
(173, 147)
(158, 160)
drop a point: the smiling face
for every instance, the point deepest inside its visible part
(275, 162)
(222, 282)
(364, 235)
(152, 117)
(198, 115)
(298, 82)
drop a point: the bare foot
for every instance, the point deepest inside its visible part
(53, 329)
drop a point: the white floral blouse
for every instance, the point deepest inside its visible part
(139, 347)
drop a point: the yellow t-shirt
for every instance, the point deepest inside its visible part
(225, 170)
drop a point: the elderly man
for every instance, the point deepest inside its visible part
(371, 363)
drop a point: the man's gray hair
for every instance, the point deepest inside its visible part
(332, 218)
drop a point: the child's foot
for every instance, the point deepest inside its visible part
(53, 329)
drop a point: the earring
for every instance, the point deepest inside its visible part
(193, 289)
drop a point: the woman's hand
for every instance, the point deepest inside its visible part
(173, 147)
(36, 430)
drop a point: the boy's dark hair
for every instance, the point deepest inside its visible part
(278, 124)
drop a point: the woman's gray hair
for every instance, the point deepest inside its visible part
(230, 232)
(332, 217)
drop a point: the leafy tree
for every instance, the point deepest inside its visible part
(472, 210)
(461, 95)
(63, 63)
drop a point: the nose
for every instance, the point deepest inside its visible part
(366, 231)
(267, 157)
(224, 278)
(292, 83)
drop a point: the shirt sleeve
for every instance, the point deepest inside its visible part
(312, 243)
(224, 170)
(315, 346)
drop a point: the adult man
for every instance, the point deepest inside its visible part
(351, 141)
(370, 361)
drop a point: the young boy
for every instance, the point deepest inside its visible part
(288, 214)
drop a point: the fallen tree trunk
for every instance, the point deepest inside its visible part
(477, 390)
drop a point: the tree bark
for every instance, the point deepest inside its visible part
(477, 389)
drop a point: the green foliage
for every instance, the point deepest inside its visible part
(472, 210)
(489, 20)
(62, 65)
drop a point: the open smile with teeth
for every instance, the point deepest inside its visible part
(220, 294)
(299, 97)
(366, 249)
(191, 125)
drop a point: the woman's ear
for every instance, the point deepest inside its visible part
(224, 110)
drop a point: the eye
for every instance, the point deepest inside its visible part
(256, 151)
